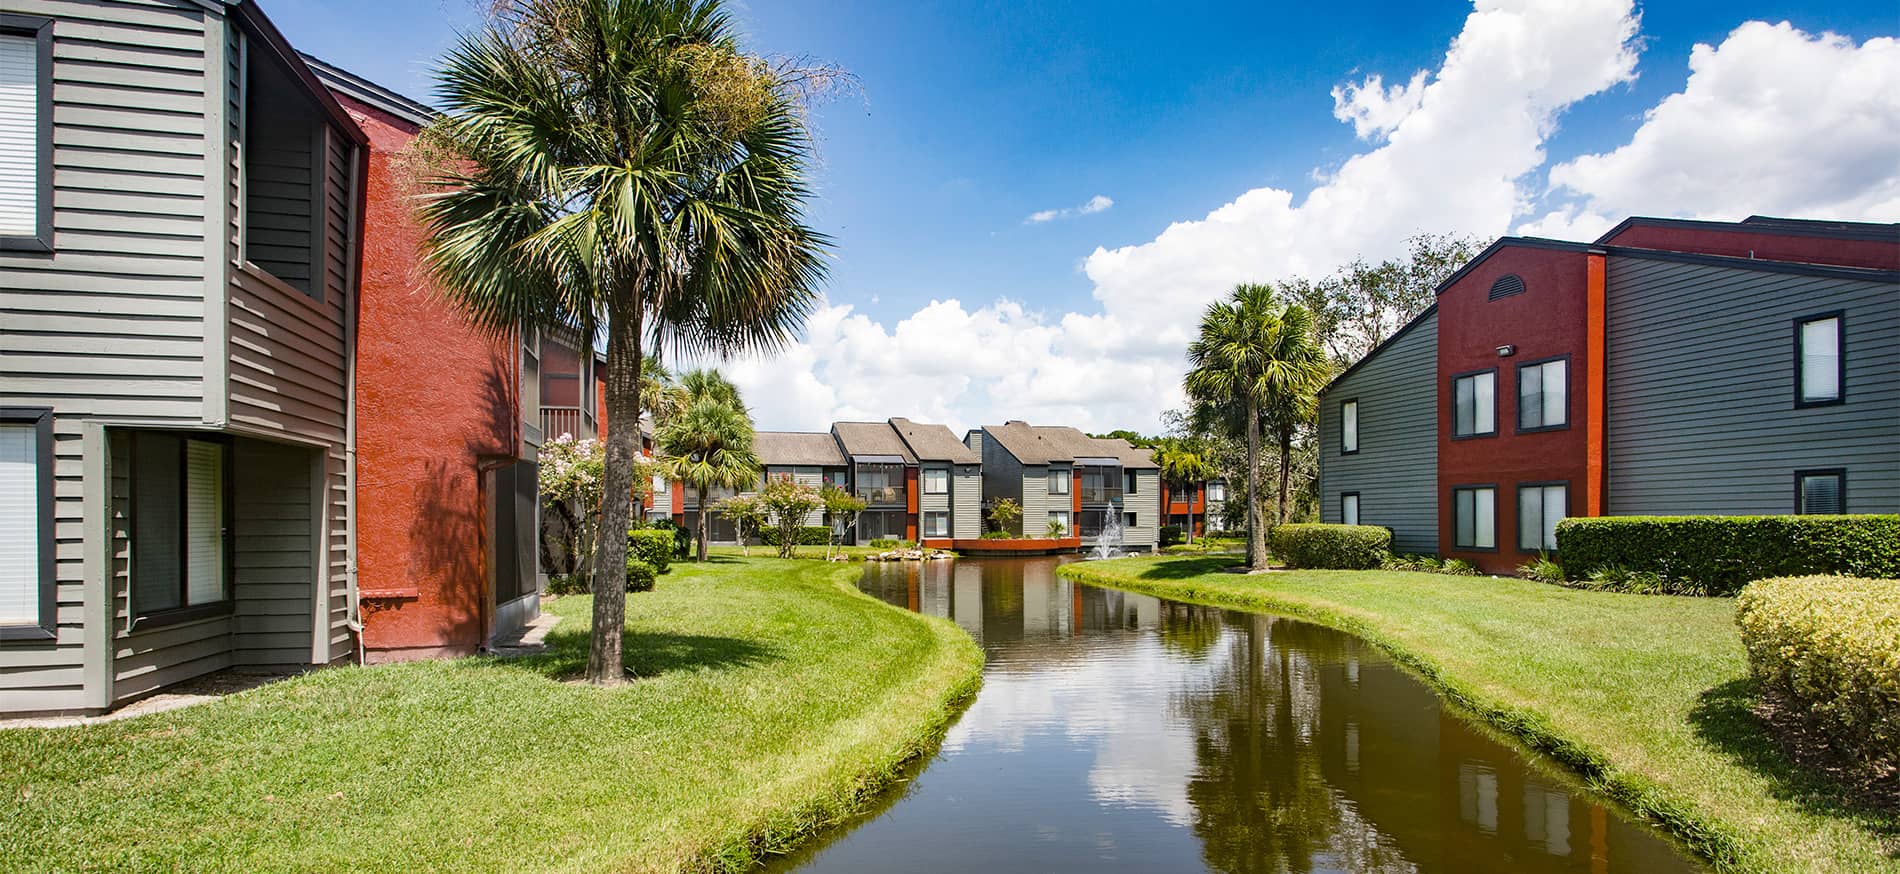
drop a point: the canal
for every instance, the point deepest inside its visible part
(1119, 732)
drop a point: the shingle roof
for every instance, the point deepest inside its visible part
(934, 443)
(1041, 444)
(872, 438)
(797, 447)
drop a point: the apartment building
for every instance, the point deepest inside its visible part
(1669, 367)
(1071, 485)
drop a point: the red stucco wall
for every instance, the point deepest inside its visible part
(1547, 320)
(1738, 243)
(433, 398)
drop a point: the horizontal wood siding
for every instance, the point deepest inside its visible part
(1145, 503)
(1037, 502)
(275, 570)
(966, 501)
(1395, 471)
(146, 659)
(1701, 383)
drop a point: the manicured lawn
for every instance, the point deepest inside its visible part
(851, 553)
(1646, 695)
(772, 697)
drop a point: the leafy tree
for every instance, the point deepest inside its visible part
(748, 515)
(787, 503)
(569, 475)
(622, 163)
(1362, 303)
(841, 512)
(1004, 513)
(708, 446)
(1256, 353)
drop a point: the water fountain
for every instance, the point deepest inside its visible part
(1108, 544)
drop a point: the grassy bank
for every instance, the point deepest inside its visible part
(1647, 696)
(772, 698)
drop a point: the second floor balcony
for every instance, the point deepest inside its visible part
(882, 496)
(577, 421)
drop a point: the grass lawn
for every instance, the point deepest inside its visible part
(772, 699)
(852, 553)
(1647, 696)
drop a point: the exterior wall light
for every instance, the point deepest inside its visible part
(1507, 350)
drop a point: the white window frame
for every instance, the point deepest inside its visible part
(1538, 497)
(39, 31)
(1216, 492)
(31, 484)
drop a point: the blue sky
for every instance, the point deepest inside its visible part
(976, 115)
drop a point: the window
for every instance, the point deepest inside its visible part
(285, 139)
(1058, 480)
(1473, 404)
(1129, 481)
(1474, 517)
(936, 481)
(1060, 517)
(1217, 491)
(26, 133)
(1540, 506)
(1129, 520)
(1820, 368)
(1349, 427)
(1820, 491)
(1349, 508)
(27, 587)
(936, 524)
(1543, 391)
(179, 496)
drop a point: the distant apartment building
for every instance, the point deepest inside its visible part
(1198, 507)
(1669, 367)
(1063, 477)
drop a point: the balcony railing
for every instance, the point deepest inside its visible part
(1103, 494)
(882, 496)
(556, 421)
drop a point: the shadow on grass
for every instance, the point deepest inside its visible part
(1183, 567)
(647, 654)
(1725, 718)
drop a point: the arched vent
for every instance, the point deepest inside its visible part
(1507, 285)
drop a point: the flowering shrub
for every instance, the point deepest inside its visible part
(1829, 647)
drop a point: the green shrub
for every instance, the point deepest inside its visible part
(640, 575)
(1829, 648)
(1717, 555)
(1458, 567)
(997, 535)
(892, 543)
(566, 584)
(1542, 569)
(808, 535)
(1172, 534)
(1340, 547)
(655, 546)
(1424, 564)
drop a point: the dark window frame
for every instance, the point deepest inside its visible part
(1131, 483)
(925, 521)
(1131, 519)
(47, 628)
(1518, 497)
(185, 612)
(1068, 481)
(1355, 425)
(1473, 487)
(1840, 359)
(1518, 377)
(1358, 508)
(41, 30)
(924, 486)
(1839, 473)
(1452, 398)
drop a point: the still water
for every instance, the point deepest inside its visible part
(1119, 732)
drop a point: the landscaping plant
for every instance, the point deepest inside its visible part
(1717, 555)
(841, 512)
(1004, 513)
(1339, 547)
(655, 546)
(709, 444)
(640, 575)
(748, 517)
(786, 503)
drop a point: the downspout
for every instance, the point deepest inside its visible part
(353, 617)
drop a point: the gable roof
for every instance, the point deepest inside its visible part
(1042, 444)
(804, 448)
(358, 88)
(933, 442)
(872, 438)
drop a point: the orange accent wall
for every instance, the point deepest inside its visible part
(1594, 339)
(910, 503)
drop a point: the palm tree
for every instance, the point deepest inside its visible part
(1183, 463)
(660, 397)
(1257, 350)
(621, 164)
(709, 446)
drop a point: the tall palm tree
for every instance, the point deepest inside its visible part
(621, 164)
(709, 446)
(660, 397)
(709, 385)
(1257, 350)
(1183, 463)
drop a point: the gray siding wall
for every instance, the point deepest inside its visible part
(1701, 384)
(277, 543)
(1002, 473)
(929, 503)
(966, 501)
(1037, 502)
(1145, 503)
(1396, 469)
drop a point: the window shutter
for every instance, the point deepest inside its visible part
(19, 525)
(204, 522)
(19, 136)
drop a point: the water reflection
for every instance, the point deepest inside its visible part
(1120, 732)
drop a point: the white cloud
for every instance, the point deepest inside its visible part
(1454, 149)
(1773, 121)
(1091, 206)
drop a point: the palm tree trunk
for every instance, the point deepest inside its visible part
(1286, 452)
(623, 444)
(705, 522)
(1256, 535)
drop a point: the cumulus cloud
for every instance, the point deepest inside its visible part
(1803, 125)
(1091, 206)
(1773, 121)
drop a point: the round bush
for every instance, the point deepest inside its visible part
(808, 535)
(1338, 547)
(1829, 648)
(654, 546)
(640, 575)
(1172, 534)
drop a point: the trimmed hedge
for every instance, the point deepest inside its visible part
(1172, 534)
(1339, 547)
(640, 575)
(1829, 647)
(1720, 554)
(808, 535)
(655, 546)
